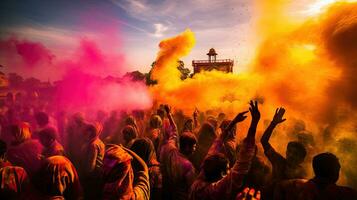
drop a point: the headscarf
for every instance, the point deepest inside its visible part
(118, 173)
(58, 177)
(21, 132)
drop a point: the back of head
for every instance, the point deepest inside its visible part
(145, 149)
(47, 134)
(130, 120)
(20, 132)
(155, 121)
(91, 131)
(295, 152)
(42, 118)
(206, 134)
(213, 121)
(326, 166)
(187, 141)
(214, 167)
(129, 133)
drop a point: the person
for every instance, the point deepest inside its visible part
(154, 131)
(178, 172)
(206, 136)
(226, 142)
(326, 167)
(24, 151)
(191, 125)
(284, 168)
(51, 146)
(14, 182)
(57, 179)
(91, 164)
(129, 135)
(42, 120)
(144, 148)
(216, 179)
(131, 121)
(121, 167)
(3, 160)
(74, 137)
(249, 193)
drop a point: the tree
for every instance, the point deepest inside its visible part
(185, 72)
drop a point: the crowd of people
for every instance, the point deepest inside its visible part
(155, 154)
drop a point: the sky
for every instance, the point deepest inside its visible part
(226, 25)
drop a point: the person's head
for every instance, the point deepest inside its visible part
(3, 148)
(188, 125)
(225, 124)
(155, 122)
(20, 132)
(215, 167)
(213, 121)
(130, 120)
(326, 166)
(207, 135)
(78, 118)
(161, 112)
(188, 143)
(129, 133)
(91, 131)
(42, 118)
(145, 149)
(47, 136)
(295, 153)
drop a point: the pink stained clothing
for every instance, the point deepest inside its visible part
(56, 149)
(228, 186)
(119, 177)
(14, 182)
(178, 172)
(27, 154)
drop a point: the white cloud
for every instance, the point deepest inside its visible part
(160, 29)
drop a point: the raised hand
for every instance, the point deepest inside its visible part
(167, 108)
(240, 117)
(248, 194)
(195, 113)
(278, 117)
(254, 111)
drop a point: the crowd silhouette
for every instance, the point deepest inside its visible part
(154, 154)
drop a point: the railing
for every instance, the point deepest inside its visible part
(212, 61)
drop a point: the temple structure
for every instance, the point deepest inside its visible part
(224, 65)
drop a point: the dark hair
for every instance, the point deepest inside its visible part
(144, 148)
(42, 118)
(3, 148)
(300, 148)
(187, 139)
(161, 113)
(213, 166)
(326, 165)
(155, 121)
(129, 133)
(48, 133)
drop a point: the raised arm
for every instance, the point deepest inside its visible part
(239, 118)
(169, 116)
(278, 118)
(195, 116)
(254, 111)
